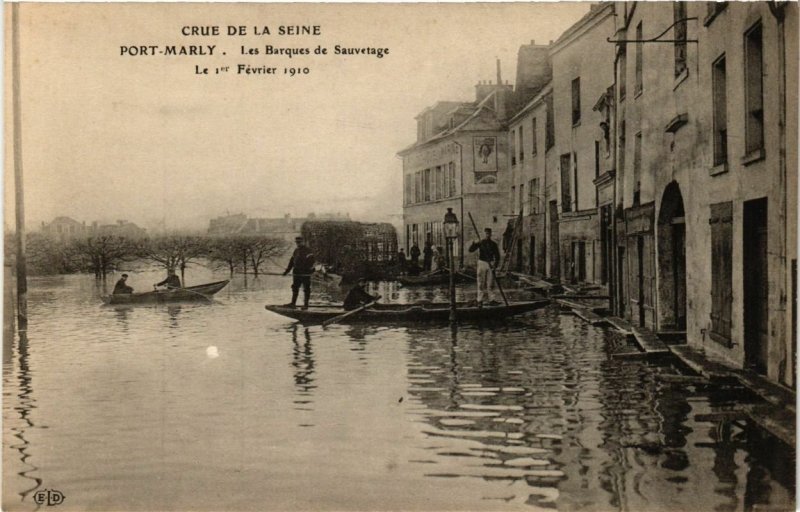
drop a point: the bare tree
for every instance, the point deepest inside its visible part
(174, 252)
(261, 249)
(102, 253)
(240, 252)
(224, 253)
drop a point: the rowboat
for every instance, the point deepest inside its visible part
(433, 278)
(425, 312)
(199, 292)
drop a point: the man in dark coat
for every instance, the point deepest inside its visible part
(488, 259)
(358, 296)
(122, 285)
(401, 260)
(414, 253)
(302, 264)
(427, 256)
(172, 280)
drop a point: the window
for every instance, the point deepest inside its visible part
(452, 187)
(712, 10)
(513, 199)
(407, 185)
(426, 185)
(512, 142)
(522, 199)
(446, 184)
(521, 145)
(679, 18)
(621, 167)
(639, 59)
(533, 195)
(566, 185)
(721, 271)
(623, 70)
(418, 187)
(637, 168)
(550, 130)
(575, 177)
(533, 136)
(576, 101)
(754, 102)
(439, 178)
(720, 106)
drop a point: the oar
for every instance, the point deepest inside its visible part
(494, 276)
(182, 289)
(353, 312)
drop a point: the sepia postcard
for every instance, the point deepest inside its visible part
(400, 256)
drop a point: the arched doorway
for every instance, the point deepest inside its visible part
(672, 260)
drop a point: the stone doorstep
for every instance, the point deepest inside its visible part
(778, 416)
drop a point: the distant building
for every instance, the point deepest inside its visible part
(64, 228)
(286, 227)
(121, 228)
(67, 227)
(460, 158)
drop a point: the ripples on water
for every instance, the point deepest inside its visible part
(226, 406)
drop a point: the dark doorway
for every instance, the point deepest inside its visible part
(672, 260)
(606, 240)
(756, 285)
(532, 256)
(578, 261)
(640, 277)
(554, 253)
(621, 306)
(519, 256)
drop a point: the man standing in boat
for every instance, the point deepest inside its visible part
(122, 286)
(302, 263)
(488, 259)
(172, 280)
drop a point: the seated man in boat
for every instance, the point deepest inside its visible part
(302, 264)
(122, 286)
(172, 280)
(358, 296)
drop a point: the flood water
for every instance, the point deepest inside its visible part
(225, 406)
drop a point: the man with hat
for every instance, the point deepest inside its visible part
(488, 259)
(122, 286)
(302, 263)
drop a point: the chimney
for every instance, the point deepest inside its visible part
(499, 81)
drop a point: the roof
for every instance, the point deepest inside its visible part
(596, 12)
(446, 133)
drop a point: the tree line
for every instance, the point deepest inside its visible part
(101, 254)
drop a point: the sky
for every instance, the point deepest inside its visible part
(145, 138)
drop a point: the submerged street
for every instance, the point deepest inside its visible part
(225, 406)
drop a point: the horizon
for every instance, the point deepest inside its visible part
(143, 138)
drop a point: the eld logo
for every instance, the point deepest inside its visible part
(49, 497)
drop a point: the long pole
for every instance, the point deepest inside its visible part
(494, 275)
(451, 263)
(22, 275)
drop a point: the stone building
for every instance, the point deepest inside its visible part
(533, 182)
(706, 204)
(582, 71)
(459, 160)
(64, 228)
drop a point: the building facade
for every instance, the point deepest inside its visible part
(582, 62)
(705, 178)
(460, 159)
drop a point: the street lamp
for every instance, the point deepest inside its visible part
(451, 233)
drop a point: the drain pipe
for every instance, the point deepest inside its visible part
(778, 10)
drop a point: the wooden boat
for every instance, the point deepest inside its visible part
(199, 292)
(433, 278)
(424, 312)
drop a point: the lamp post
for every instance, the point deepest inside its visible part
(451, 233)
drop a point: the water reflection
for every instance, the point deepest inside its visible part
(528, 413)
(303, 364)
(25, 404)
